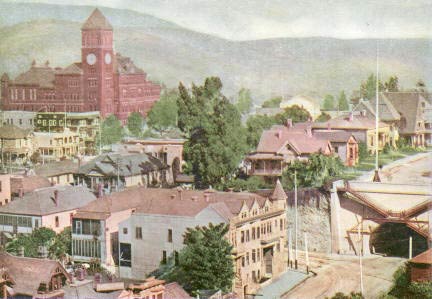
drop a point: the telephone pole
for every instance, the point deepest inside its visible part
(295, 219)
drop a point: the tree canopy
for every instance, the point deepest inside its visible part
(216, 139)
(272, 103)
(205, 263)
(314, 172)
(368, 87)
(343, 102)
(135, 123)
(255, 125)
(244, 101)
(329, 102)
(295, 113)
(323, 117)
(392, 84)
(112, 131)
(163, 115)
(58, 245)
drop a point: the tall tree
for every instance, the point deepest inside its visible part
(420, 86)
(163, 115)
(343, 102)
(111, 131)
(216, 139)
(368, 87)
(328, 103)
(244, 101)
(392, 84)
(135, 123)
(272, 103)
(206, 262)
(295, 113)
(323, 117)
(255, 125)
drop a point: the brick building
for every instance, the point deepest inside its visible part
(102, 81)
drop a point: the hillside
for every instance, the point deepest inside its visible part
(170, 53)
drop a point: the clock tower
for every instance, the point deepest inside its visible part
(97, 64)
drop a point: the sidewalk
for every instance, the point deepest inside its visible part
(281, 285)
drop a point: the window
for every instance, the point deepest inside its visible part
(138, 232)
(164, 257)
(170, 239)
(280, 224)
(125, 231)
(243, 261)
(242, 237)
(36, 221)
(57, 222)
(125, 255)
(253, 256)
(247, 258)
(258, 254)
(253, 233)
(336, 149)
(0, 186)
(247, 236)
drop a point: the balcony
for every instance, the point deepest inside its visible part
(267, 172)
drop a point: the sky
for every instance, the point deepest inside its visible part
(261, 19)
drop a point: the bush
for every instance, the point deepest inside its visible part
(404, 289)
(363, 152)
(352, 295)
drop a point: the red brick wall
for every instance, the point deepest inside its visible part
(421, 274)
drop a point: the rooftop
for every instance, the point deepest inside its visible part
(423, 258)
(28, 183)
(96, 21)
(56, 168)
(43, 201)
(13, 132)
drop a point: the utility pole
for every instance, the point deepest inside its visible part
(118, 174)
(410, 248)
(290, 252)
(360, 252)
(376, 176)
(295, 219)
(306, 253)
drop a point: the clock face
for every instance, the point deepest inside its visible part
(91, 59)
(107, 58)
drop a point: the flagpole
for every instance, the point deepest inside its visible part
(376, 108)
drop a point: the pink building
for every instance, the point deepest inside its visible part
(280, 145)
(50, 207)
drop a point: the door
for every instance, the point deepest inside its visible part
(268, 260)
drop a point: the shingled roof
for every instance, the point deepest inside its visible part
(28, 183)
(187, 203)
(56, 168)
(39, 76)
(73, 69)
(96, 21)
(125, 164)
(358, 122)
(423, 258)
(125, 65)
(29, 273)
(42, 201)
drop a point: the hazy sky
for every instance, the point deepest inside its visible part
(257, 19)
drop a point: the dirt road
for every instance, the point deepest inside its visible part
(342, 274)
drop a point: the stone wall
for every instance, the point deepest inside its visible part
(313, 219)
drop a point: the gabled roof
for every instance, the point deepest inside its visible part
(28, 183)
(279, 193)
(408, 106)
(29, 273)
(42, 76)
(56, 168)
(73, 69)
(274, 139)
(13, 132)
(186, 203)
(387, 111)
(344, 122)
(96, 21)
(174, 291)
(125, 164)
(125, 65)
(334, 135)
(41, 202)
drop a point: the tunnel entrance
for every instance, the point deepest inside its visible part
(392, 239)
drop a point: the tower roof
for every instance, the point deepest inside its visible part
(278, 192)
(97, 21)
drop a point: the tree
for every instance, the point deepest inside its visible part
(206, 262)
(272, 103)
(403, 288)
(244, 101)
(368, 88)
(112, 131)
(163, 115)
(295, 113)
(392, 84)
(135, 123)
(323, 117)
(314, 172)
(328, 103)
(255, 125)
(57, 245)
(216, 139)
(352, 295)
(343, 102)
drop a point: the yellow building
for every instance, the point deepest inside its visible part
(16, 145)
(57, 145)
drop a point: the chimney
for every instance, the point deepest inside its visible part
(351, 116)
(363, 113)
(56, 197)
(173, 196)
(21, 192)
(309, 131)
(206, 197)
(328, 126)
(179, 192)
(279, 134)
(289, 123)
